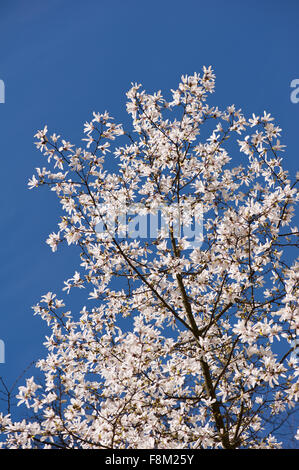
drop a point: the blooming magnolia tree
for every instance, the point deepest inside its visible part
(178, 344)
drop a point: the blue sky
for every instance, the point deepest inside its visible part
(60, 60)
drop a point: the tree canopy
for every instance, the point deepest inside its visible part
(187, 254)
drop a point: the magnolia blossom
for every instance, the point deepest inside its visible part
(178, 345)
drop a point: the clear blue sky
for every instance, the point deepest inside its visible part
(61, 60)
